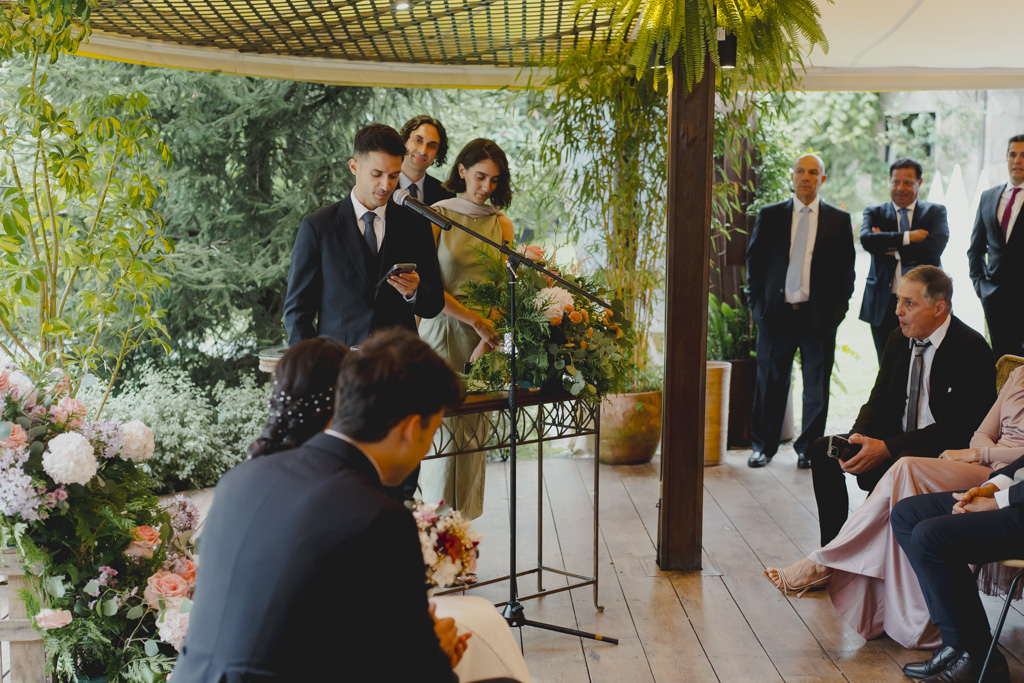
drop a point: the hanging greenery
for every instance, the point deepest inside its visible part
(766, 32)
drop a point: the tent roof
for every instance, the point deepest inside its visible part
(875, 44)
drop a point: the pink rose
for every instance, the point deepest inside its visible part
(187, 571)
(165, 584)
(50, 619)
(69, 411)
(531, 251)
(5, 380)
(17, 439)
(145, 540)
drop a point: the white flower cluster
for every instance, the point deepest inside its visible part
(18, 497)
(553, 300)
(23, 388)
(138, 441)
(172, 625)
(70, 459)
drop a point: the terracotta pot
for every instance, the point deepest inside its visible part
(716, 411)
(630, 428)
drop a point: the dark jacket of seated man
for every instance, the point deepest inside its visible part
(310, 571)
(961, 389)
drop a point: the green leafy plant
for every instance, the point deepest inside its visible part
(732, 333)
(562, 339)
(83, 248)
(607, 132)
(767, 34)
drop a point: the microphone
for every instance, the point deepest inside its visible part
(403, 198)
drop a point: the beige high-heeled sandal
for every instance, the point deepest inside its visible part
(783, 584)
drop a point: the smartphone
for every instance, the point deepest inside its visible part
(396, 269)
(841, 449)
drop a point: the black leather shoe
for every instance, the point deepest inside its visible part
(941, 658)
(967, 669)
(803, 461)
(758, 459)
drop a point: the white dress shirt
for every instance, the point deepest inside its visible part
(378, 221)
(1017, 201)
(924, 411)
(812, 232)
(404, 183)
(906, 239)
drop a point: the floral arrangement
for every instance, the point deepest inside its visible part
(449, 546)
(562, 339)
(111, 569)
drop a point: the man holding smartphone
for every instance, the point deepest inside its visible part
(935, 383)
(342, 283)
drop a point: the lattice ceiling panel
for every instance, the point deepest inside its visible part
(502, 33)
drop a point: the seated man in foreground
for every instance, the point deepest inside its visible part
(942, 533)
(934, 385)
(310, 570)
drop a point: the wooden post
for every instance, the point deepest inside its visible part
(690, 153)
(27, 663)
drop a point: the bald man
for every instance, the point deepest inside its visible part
(799, 279)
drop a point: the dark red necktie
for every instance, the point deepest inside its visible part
(1005, 223)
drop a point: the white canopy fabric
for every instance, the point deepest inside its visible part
(874, 45)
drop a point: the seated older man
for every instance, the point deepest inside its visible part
(934, 385)
(942, 533)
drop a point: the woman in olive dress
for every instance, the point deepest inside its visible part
(483, 187)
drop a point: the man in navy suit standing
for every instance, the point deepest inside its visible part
(900, 235)
(426, 144)
(338, 284)
(800, 274)
(996, 255)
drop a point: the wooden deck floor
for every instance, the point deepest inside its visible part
(724, 623)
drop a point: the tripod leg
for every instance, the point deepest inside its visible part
(569, 631)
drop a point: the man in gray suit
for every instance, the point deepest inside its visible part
(996, 255)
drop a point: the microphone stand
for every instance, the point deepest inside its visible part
(514, 612)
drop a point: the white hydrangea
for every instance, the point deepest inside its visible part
(172, 625)
(138, 441)
(553, 300)
(23, 387)
(69, 459)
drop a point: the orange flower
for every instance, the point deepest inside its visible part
(583, 344)
(576, 317)
(586, 315)
(570, 308)
(590, 332)
(555, 321)
(569, 345)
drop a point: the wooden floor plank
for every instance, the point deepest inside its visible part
(570, 502)
(673, 650)
(793, 649)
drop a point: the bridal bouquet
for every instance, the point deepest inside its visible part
(111, 569)
(449, 546)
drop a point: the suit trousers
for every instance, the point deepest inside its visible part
(775, 352)
(830, 491)
(1005, 326)
(941, 545)
(880, 333)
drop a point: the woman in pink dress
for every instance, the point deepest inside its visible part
(868, 577)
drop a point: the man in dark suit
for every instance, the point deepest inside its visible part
(996, 255)
(310, 571)
(800, 278)
(337, 285)
(941, 534)
(426, 144)
(900, 235)
(935, 384)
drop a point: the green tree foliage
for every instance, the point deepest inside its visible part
(83, 245)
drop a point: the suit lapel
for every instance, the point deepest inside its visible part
(351, 237)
